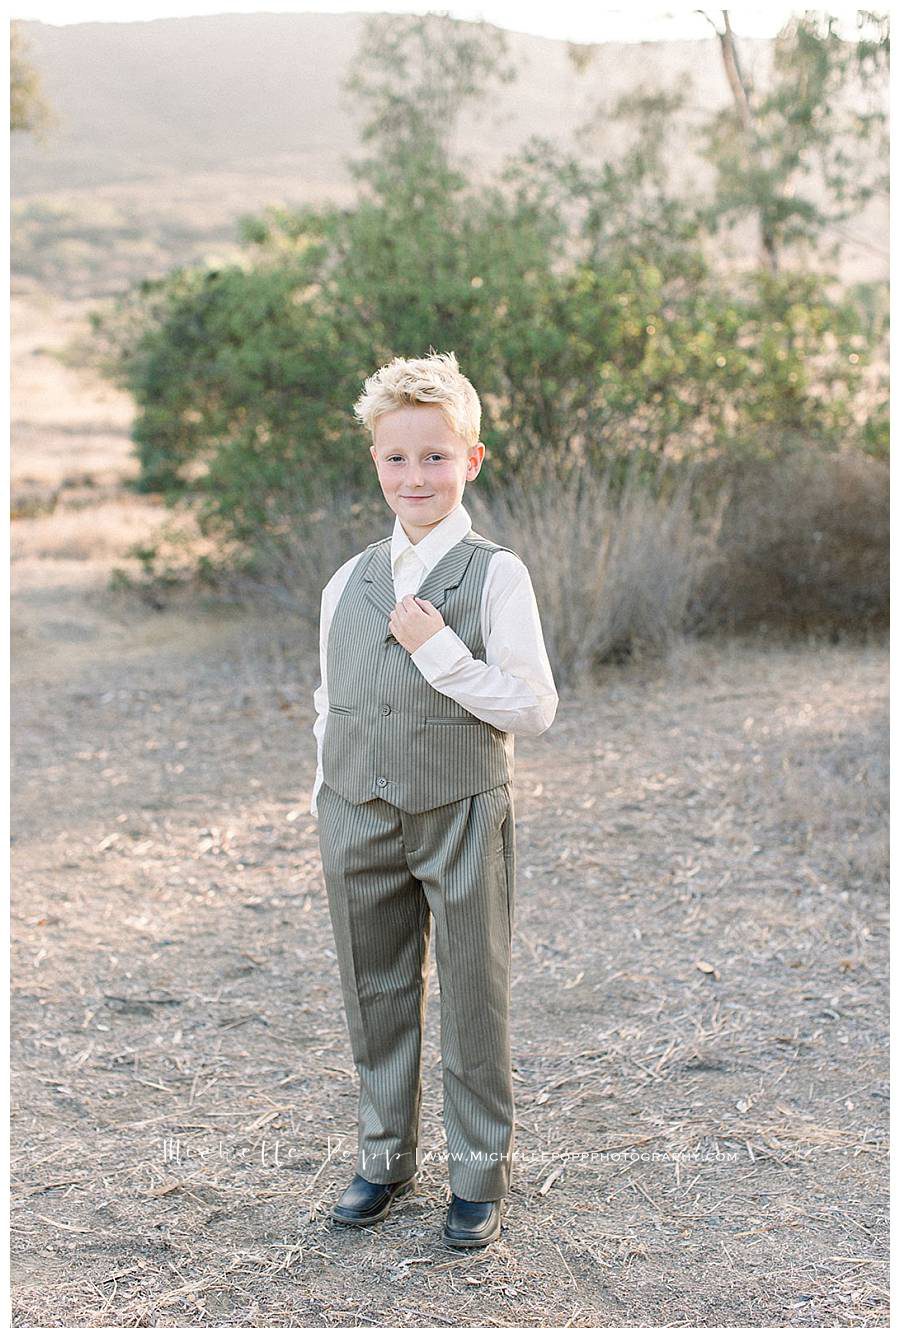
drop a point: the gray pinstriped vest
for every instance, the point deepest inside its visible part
(390, 734)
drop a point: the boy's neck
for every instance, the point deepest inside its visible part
(416, 533)
(415, 538)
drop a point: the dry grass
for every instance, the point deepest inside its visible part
(803, 545)
(613, 574)
(687, 985)
(86, 531)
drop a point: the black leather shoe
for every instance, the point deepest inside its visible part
(364, 1202)
(470, 1225)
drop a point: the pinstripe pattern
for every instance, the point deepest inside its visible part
(387, 872)
(390, 734)
(416, 824)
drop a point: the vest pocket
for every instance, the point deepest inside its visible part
(340, 710)
(450, 720)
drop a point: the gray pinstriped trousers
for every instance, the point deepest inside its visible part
(387, 872)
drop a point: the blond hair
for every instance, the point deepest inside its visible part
(435, 379)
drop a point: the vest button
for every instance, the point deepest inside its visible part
(385, 710)
(382, 780)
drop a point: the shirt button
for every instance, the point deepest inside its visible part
(385, 710)
(382, 780)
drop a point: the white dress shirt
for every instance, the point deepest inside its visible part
(513, 689)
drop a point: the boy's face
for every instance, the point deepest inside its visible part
(422, 465)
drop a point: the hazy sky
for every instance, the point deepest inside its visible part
(571, 19)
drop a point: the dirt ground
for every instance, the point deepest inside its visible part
(699, 998)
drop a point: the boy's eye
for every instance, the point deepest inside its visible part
(435, 455)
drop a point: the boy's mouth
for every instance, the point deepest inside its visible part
(418, 497)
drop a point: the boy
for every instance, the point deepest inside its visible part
(432, 658)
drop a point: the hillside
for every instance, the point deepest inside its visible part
(169, 129)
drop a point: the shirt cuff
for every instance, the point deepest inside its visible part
(442, 651)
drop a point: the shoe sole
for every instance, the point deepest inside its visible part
(376, 1217)
(474, 1243)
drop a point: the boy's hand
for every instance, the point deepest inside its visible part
(414, 620)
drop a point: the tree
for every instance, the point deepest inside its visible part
(415, 73)
(579, 301)
(766, 144)
(29, 110)
(827, 100)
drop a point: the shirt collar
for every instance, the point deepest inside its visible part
(436, 543)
